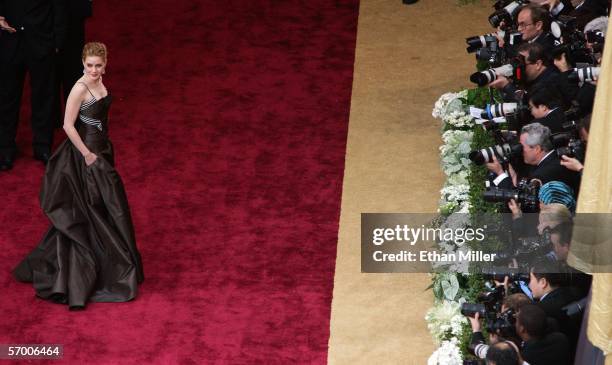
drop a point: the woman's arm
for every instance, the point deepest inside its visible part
(73, 104)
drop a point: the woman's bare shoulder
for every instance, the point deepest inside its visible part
(79, 90)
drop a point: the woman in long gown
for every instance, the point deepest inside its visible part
(89, 253)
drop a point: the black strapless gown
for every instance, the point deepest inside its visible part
(89, 252)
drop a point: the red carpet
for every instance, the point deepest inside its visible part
(229, 122)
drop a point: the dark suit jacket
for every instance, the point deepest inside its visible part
(553, 303)
(555, 300)
(79, 9)
(548, 78)
(547, 41)
(552, 349)
(554, 120)
(590, 10)
(40, 25)
(550, 169)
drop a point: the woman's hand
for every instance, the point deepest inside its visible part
(90, 158)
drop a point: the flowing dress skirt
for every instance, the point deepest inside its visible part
(89, 251)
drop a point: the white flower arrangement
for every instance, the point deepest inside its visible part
(447, 354)
(445, 320)
(454, 152)
(448, 103)
(455, 193)
(458, 119)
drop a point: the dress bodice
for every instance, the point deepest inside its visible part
(94, 112)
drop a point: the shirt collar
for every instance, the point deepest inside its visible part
(544, 158)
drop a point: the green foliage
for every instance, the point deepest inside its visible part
(481, 96)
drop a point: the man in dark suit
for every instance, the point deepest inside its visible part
(538, 72)
(545, 106)
(588, 10)
(33, 31)
(550, 288)
(540, 347)
(69, 65)
(537, 152)
(533, 24)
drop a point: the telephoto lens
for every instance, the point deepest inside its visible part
(498, 110)
(485, 77)
(504, 151)
(477, 42)
(506, 14)
(584, 74)
(470, 309)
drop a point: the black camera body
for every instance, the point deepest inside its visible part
(525, 194)
(574, 41)
(503, 324)
(567, 144)
(505, 11)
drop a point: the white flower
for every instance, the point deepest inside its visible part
(455, 193)
(445, 319)
(465, 207)
(458, 119)
(454, 152)
(448, 103)
(447, 354)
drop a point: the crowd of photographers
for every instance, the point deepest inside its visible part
(543, 62)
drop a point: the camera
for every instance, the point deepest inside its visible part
(513, 114)
(515, 69)
(505, 12)
(493, 55)
(596, 38)
(503, 324)
(476, 42)
(500, 273)
(567, 143)
(584, 74)
(485, 77)
(525, 194)
(492, 111)
(470, 310)
(502, 152)
(563, 26)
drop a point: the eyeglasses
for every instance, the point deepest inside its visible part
(523, 25)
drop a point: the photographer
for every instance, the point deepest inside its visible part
(588, 10)
(504, 353)
(539, 346)
(533, 23)
(537, 152)
(555, 198)
(545, 106)
(538, 72)
(549, 285)
(510, 305)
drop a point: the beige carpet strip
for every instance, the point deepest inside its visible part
(406, 57)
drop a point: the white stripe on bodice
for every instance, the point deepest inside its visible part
(87, 120)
